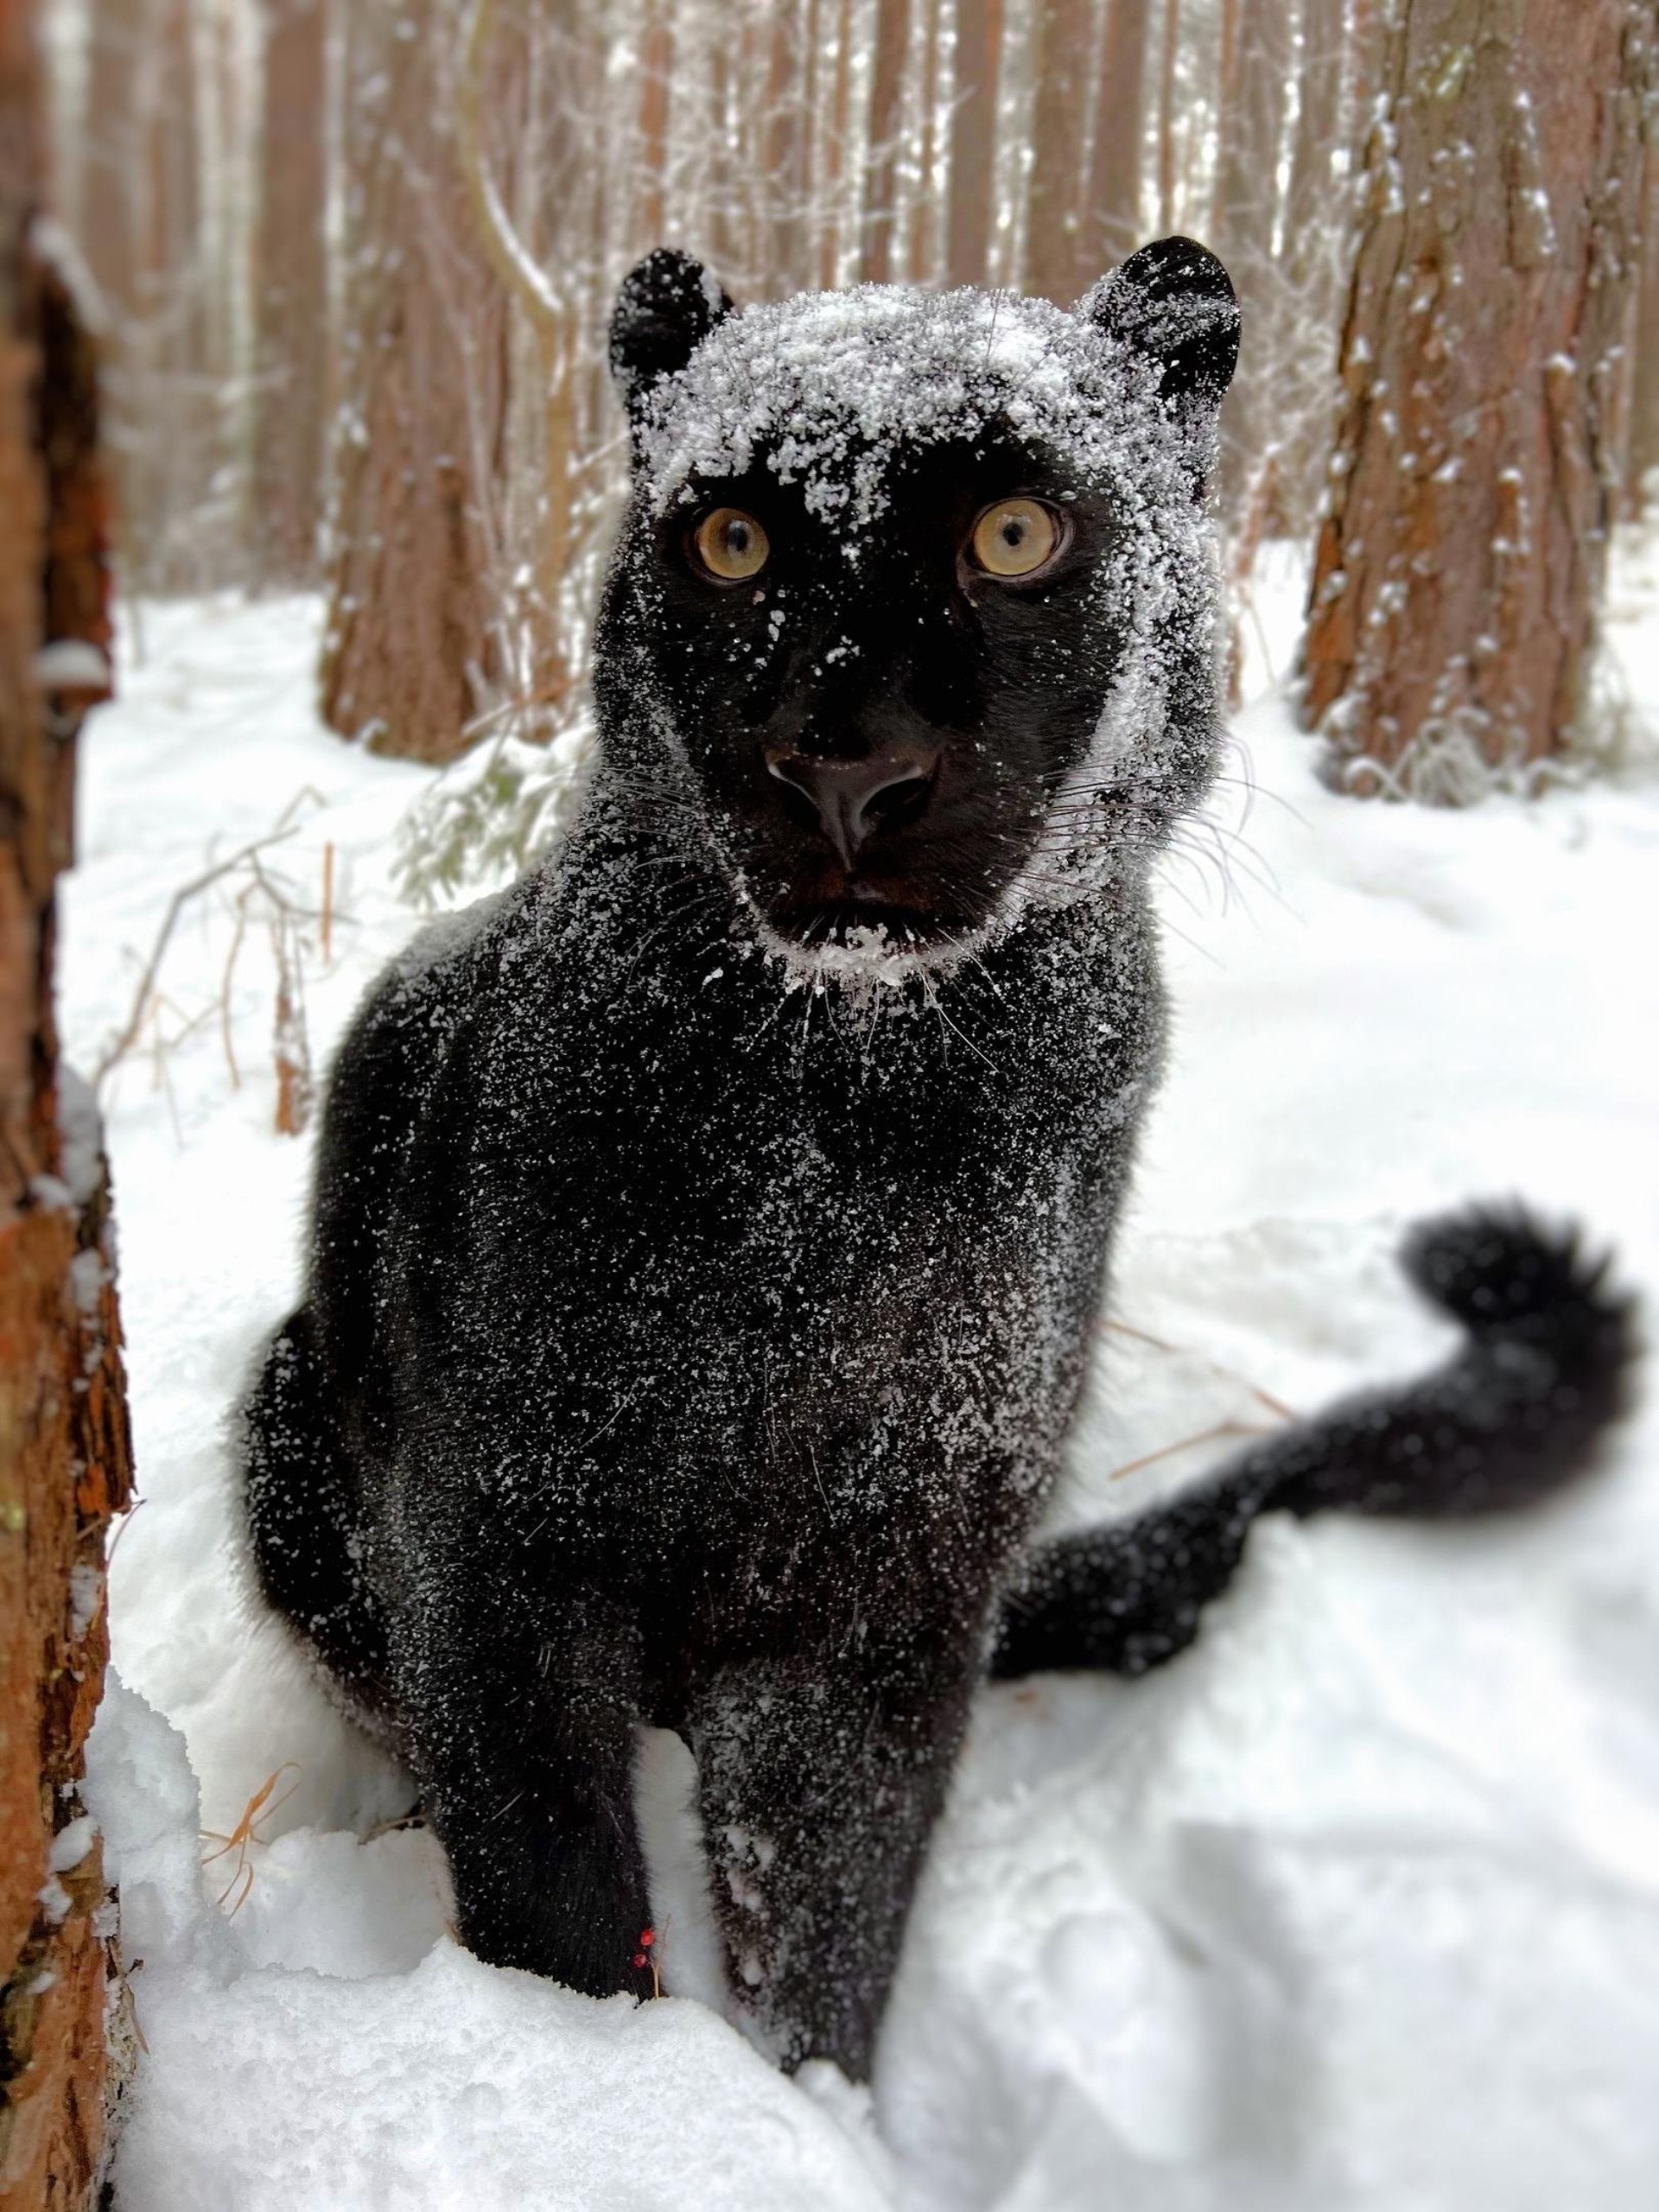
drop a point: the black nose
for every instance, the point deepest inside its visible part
(853, 798)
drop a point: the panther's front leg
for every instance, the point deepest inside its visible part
(820, 1775)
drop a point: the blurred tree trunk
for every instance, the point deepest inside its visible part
(291, 321)
(971, 216)
(1113, 227)
(1312, 269)
(1170, 49)
(1255, 84)
(1474, 476)
(64, 1456)
(1059, 249)
(923, 264)
(410, 657)
(789, 109)
(1641, 442)
(831, 180)
(881, 170)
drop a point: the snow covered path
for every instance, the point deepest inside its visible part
(1355, 1906)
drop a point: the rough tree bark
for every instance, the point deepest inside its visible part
(63, 1441)
(410, 656)
(1475, 473)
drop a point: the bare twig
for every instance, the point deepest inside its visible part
(128, 1036)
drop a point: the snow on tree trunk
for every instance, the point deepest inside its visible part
(1474, 472)
(63, 1438)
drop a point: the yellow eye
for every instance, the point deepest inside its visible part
(731, 545)
(1015, 538)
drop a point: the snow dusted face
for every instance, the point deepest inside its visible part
(899, 586)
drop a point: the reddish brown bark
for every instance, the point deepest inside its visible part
(1642, 433)
(1458, 574)
(291, 292)
(1113, 224)
(1057, 249)
(409, 654)
(971, 214)
(882, 172)
(64, 1457)
(924, 208)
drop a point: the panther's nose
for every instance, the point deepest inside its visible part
(854, 798)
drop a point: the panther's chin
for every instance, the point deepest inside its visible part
(862, 944)
(851, 922)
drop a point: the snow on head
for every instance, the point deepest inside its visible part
(826, 389)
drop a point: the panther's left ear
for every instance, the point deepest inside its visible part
(667, 306)
(1174, 304)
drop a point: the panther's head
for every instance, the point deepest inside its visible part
(914, 606)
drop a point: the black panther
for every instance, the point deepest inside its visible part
(708, 1232)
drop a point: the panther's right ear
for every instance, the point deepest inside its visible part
(667, 306)
(1173, 303)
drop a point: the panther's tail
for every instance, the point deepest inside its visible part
(1514, 1414)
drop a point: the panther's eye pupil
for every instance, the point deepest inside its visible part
(1017, 538)
(730, 545)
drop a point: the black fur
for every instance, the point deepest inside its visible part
(709, 1233)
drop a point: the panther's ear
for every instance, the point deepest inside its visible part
(1174, 303)
(667, 306)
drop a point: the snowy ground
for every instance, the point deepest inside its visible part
(1355, 1906)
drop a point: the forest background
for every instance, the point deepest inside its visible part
(352, 264)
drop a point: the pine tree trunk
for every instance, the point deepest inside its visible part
(882, 172)
(1641, 440)
(1256, 70)
(1113, 224)
(971, 215)
(411, 657)
(292, 287)
(1475, 469)
(63, 1439)
(1058, 249)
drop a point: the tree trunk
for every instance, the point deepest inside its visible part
(1057, 248)
(411, 656)
(1170, 49)
(292, 287)
(1256, 73)
(1114, 226)
(63, 1441)
(1641, 438)
(881, 171)
(1457, 578)
(971, 216)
